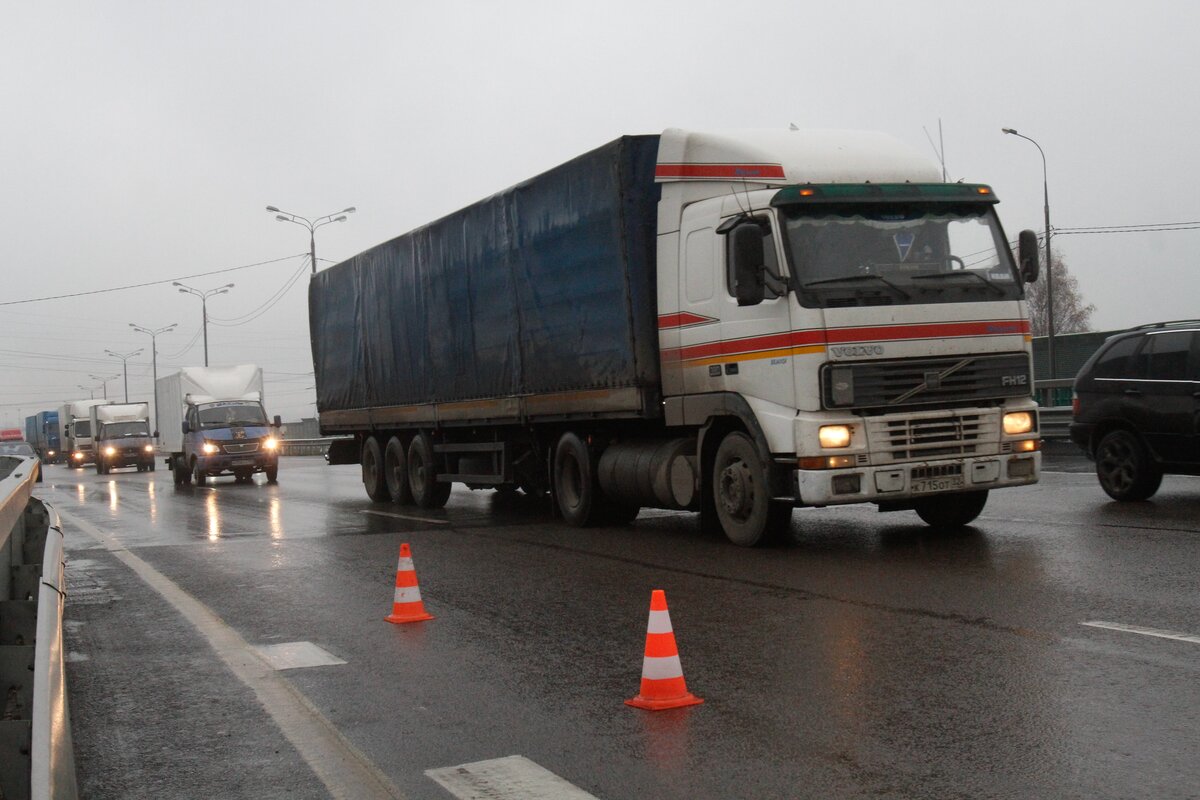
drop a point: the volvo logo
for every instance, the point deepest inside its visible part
(857, 350)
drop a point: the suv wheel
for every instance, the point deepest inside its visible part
(1125, 469)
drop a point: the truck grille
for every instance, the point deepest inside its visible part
(245, 447)
(933, 435)
(875, 384)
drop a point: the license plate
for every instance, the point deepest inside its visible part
(927, 485)
(243, 462)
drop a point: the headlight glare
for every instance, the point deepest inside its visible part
(210, 449)
(110, 451)
(270, 443)
(834, 435)
(1018, 422)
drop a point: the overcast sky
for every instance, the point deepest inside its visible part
(141, 142)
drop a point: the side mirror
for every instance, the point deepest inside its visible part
(1027, 256)
(749, 264)
(186, 428)
(155, 435)
(278, 421)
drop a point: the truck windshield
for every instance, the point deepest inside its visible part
(83, 427)
(899, 254)
(119, 430)
(237, 414)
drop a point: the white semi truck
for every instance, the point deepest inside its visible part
(733, 323)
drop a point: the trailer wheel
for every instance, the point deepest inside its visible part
(740, 492)
(575, 487)
(395, 472)
(372, 470)
(427, 492)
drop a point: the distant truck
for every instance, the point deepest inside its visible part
(121, 437)
(213, 422)
(41, 431)
(75, 431)
(733, 323)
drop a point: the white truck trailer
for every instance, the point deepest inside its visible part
(75, 431)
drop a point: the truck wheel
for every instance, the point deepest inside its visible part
(372, 471)
(575, 487)
(197, 474)
(740, 492)
(952, 510)
(272, 473)
(180, 472)
(1126, 470)
(395, 472)
(150, 467)
(427, 492)
(99, 468)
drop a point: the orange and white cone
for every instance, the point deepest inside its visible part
(407, 605)
(662, 674)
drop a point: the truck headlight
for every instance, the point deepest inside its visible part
(149, 448)
(1018, 422)
(50, 454)
(210, 449)
(77, 456)
(834, 435)
(271, 443)
(110, 451)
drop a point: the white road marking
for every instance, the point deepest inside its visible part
(1161, 634)
(339, 765)
(297, 655)
(404, 516)
(511, 778)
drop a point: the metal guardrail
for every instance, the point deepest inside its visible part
(37, 759)
(306, 447)
(1055, 423)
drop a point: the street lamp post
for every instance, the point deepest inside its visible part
(153, 334)
(125, 362)
(204, 306)
(104, 382)
(1049, 265)
(312, 225)
(91, 392)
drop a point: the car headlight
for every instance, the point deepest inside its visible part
(834, 435)
(110, 451)
(1018, 422)
(210, 449)
(271, 443)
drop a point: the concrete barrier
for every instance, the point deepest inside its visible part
(37, 759)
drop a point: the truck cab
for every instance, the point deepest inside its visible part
(230, 436)
(121, 437)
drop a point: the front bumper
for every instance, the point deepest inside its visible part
(227, 462)
(907, 482)
(127, 457)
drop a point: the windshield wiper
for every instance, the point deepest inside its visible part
(939, 275)
(851, 278)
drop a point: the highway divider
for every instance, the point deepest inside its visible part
(37, 759)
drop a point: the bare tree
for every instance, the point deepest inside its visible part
(1071, 314)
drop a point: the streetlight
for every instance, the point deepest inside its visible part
(154, 358)
(1049, 266)
(204, 306)
(104, 382)
(91, 392)
(125, 362)
(312, 225)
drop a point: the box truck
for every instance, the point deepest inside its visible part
(121, 437)
(75, 431)
(41, 431)
(731, 323)
(213, 423)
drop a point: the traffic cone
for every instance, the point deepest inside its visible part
(662, 674)
(407, 605)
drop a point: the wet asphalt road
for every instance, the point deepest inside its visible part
(866, 658)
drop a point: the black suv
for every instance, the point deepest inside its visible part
(1137, 408)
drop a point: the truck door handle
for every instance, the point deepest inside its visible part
(1137, 392)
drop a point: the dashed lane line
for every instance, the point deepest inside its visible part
(405, 516)
(511, 778)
